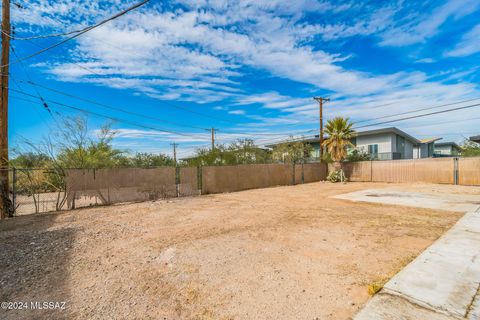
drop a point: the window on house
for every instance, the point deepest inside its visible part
(373, 148)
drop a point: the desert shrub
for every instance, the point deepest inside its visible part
(357, 155)
(336, 176)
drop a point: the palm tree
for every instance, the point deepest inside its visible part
(340, 132)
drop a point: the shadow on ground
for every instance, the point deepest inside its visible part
(34, 258)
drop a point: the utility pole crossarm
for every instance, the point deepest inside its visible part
(321, 100)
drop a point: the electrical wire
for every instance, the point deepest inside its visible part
(418, 110)
(45, 105)
(102, 115)
(78, 34)
(119, 109)
(420, 116)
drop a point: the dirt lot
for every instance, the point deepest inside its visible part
(277, 253)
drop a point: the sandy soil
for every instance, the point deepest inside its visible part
(277, 253)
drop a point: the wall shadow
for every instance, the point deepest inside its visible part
(34, 258)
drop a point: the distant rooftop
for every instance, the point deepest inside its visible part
(448, 143)
(371, 132)
(475, 139)
(429, 140)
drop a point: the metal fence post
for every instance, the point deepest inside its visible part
(199, 179)
(14, 190)
(455, 171)
(293, 173)
(177, 181)
(303, 173)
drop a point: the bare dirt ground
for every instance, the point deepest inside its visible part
(276, 253)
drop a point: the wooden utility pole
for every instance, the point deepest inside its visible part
(174, 152)
(4, 192)
(321, 100)
(213, 130)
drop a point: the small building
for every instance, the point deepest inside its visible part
(385, 144)
(446, 149)
(475, 139)
(393, 144)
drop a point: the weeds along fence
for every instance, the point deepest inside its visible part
(39, 190)
(461, 171)
(36, 190)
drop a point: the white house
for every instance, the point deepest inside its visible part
(392, 144)
(386, 144)
(447, 149)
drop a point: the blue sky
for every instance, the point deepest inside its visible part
(249, 68)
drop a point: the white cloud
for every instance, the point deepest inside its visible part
(419, 26)
(200, 54)
(470, 44)
(237, 112)
(425, 60)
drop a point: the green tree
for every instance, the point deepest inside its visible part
(148, 160)
(340, 132)
(245, 151)
(292, 151)
(77, 148)
(241, 151)
(31, 160)
(207, 157)
(470, 149)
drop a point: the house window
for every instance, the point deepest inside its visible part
(373, 149)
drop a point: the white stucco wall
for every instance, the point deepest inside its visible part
(416, 152)
(384, 142)
(447, 150)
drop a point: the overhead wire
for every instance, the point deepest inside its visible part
(120, 109)
(104, 116)
(78, 34)
(417, 110)
(420, 116)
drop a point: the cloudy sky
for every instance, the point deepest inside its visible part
(248, 68)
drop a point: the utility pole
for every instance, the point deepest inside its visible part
(174, 152)
(213, 130)
(321, 100)
(5, 60)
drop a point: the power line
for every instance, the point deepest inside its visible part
(418, 110)
(116, 108)
(101, 115)
(119, 109)
(46, 36)
(77, 64)
(420, 116)
(80, 33)
(45, 105)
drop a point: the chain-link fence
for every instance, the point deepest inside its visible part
(45, 190)
(36, 190)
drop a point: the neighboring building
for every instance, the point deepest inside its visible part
(446, 149)
(392, 144)
(386, 144)
(475, 139)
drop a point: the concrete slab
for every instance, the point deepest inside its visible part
(441, 283)
(445, 276)
(380, 307)
(415, 199)
(474, 313)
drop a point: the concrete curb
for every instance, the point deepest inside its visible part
(441, 283)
